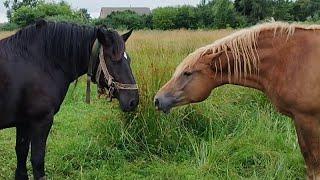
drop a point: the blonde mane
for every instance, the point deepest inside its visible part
(243, 47)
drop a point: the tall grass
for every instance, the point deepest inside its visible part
(234, 134)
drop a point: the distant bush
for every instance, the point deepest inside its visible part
(209, 14)
(125, 20)
(165, 18)
(315, 18)
(24, 16)
(59, 12)
(9, 27)
(186, 18)
(224, 14)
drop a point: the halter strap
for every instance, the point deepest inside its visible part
(102, 67)
(109, 79)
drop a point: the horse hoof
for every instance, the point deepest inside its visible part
(21, 176)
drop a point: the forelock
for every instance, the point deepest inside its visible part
(118, 45)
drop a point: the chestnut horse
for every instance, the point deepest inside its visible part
(280, 59)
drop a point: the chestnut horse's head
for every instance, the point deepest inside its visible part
(227, 60)
(192, 82)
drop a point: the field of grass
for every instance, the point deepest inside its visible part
(234, 134)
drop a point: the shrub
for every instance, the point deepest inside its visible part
(224, 14)
(25, 15)
(125, 19)
(59, 12)
(164, 18)
(186, 18)
(9, 27)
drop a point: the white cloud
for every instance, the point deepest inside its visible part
(3, 18)
(3, 15)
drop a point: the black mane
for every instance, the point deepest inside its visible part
(62, 44)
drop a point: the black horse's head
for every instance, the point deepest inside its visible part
(118, 66)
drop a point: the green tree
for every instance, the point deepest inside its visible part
(281, 10)
(13, 5)
(59, 12)
(84, 14)
(303, 9)
(300, 10)
(254, 10)
(123, 20)
(314, 8)
(24, 16)
(224, 14)
(204, 14)
(148, 21)
(164, 18)
(186, 18)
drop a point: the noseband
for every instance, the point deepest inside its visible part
(113, 85)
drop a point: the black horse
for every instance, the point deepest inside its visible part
(37, 65)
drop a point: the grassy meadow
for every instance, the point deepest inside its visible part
(235, 134)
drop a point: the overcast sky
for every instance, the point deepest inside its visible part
(94, 6)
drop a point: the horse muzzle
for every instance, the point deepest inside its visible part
(128, 99)
(164, 103)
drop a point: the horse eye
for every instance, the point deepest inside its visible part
(187, 73)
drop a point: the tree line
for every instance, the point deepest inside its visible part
(208, 14)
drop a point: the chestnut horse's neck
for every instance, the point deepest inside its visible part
(275, 53)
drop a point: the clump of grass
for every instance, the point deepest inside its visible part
(234, 134)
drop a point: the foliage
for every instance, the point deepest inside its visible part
(282, 9)
(165, 18)
(209, 14)
(254, 10)
(183, 17)
(224, 14)
(13, 5)
(205, 15)
(84, 14)
(9, 27)
(125, 20)
(186, 18)
(62, 11)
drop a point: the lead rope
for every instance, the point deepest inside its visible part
(94, 50)
(88, 92)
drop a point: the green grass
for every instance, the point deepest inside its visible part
(235, 134)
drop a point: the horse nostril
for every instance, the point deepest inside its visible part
(156, 102)
(133, 103)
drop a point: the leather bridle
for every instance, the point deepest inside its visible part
(112, 84)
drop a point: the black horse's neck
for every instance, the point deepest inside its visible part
(51, 45)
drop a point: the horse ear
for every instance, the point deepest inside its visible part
(101, 36)
(40, 23)
(127, 35)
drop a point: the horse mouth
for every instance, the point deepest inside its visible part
(165, 105)
(165, 110)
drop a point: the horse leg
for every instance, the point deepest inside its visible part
(38, 145)
(308, 131)
(22, 150)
